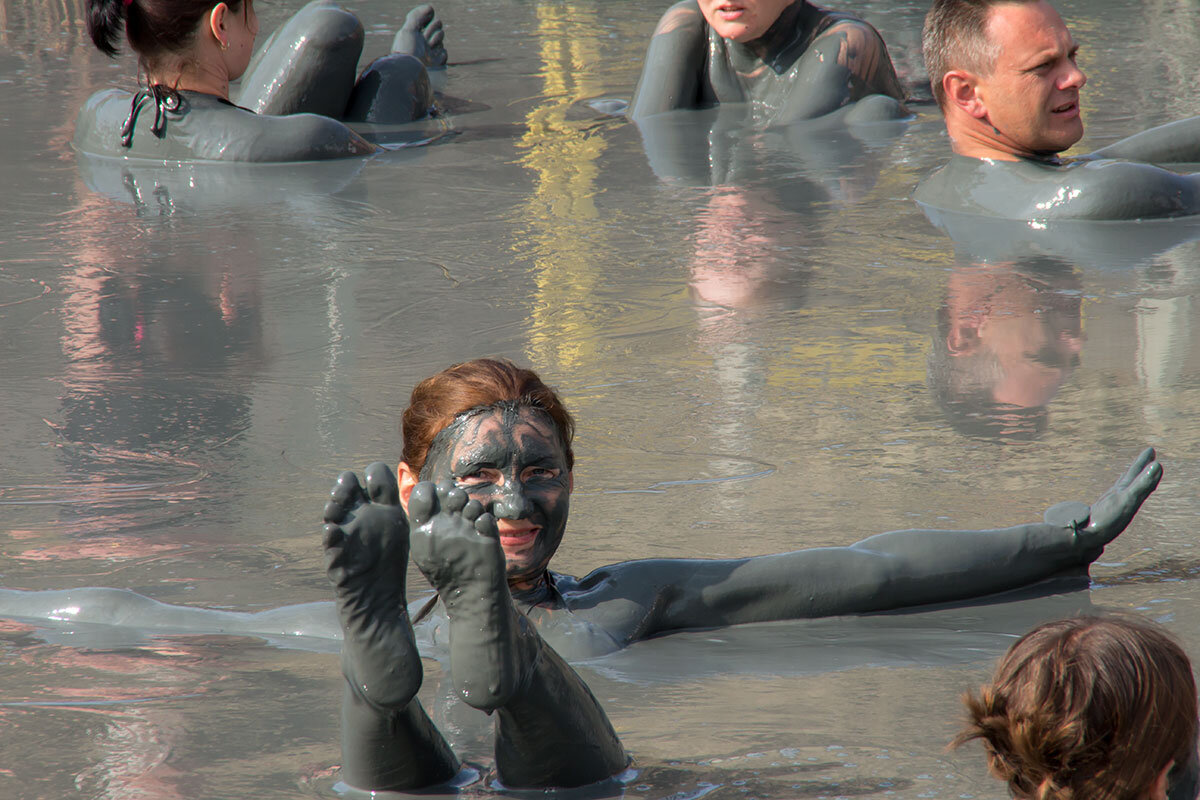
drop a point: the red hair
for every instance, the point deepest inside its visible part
(438, 400)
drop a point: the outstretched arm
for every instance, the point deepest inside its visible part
(888, 571)
(674, 65)
(1173, 143)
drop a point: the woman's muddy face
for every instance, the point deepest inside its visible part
(514, 463)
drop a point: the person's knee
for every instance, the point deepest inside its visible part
(392, 89)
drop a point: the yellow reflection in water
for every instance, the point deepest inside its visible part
(561, 213)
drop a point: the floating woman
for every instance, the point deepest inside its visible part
(296, 92)
(482, 500)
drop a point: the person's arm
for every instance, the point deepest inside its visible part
(674, 66)
(1173, 143)
(843, 64)
(887, 571)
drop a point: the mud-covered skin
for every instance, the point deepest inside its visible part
(550, 730)
(1076, 189)
(635, 600)
(513, 463)
(298, 86)
(205, 128)
(388, 741)
(809, 63)
(366, 558)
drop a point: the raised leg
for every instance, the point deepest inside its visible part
(550, 730)
(308, 65)
(395, 88)
(388, 741)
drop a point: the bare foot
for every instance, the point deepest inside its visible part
(366, 556)
(457, 547)
(422, 37)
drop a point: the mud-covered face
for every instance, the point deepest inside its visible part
(742, 20)
(514, 463)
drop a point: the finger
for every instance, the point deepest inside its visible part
(346, 494)
(422, 503)
(1137, 467)
(433, 27)
(472, 510)
(436, 39)
(381, 484)
(486, 525)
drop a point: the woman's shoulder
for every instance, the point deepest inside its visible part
(186, 126)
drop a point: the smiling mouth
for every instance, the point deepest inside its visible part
(1066, 108)
(730, 12)
(519, 538)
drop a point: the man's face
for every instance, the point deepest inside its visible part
(742, 20)
(1032, 95)
(515, 465)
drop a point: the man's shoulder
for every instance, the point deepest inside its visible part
(1037, 189)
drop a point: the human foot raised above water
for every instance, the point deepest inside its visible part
(456, 545)
(422, 37)
(366, 557)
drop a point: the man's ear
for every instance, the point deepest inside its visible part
(963, 337)
(962, 92)
(408, 479)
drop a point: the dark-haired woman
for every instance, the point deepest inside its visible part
(296, 92)
(482, 500)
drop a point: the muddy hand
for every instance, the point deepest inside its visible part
(422, 37)
(1104, 520)
(366, 557)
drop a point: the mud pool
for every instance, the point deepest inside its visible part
(748, 327)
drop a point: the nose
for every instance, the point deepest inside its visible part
(512, 503)
(1074, 78)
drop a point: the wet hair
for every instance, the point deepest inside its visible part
(474, 386)
(955, 36)
(153, 28)
(1092, 708)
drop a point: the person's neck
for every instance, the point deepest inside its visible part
(784, 41)
(981, 140)
(531, 590)
(206, 79)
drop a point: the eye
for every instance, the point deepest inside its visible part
(540, 473)
(481, 475)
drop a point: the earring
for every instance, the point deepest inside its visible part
(224, 45)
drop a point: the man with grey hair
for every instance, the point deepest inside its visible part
(1005, 76)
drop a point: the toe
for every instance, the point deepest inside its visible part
(346, 494)
(472, 510)
(455, 500)
(422, 503)
(486, 525)
(419, 17)
(334, 536)
(381, 484)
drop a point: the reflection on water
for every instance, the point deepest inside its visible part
(766, 344)
(1008, 336)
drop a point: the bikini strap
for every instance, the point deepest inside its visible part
(165, 100)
